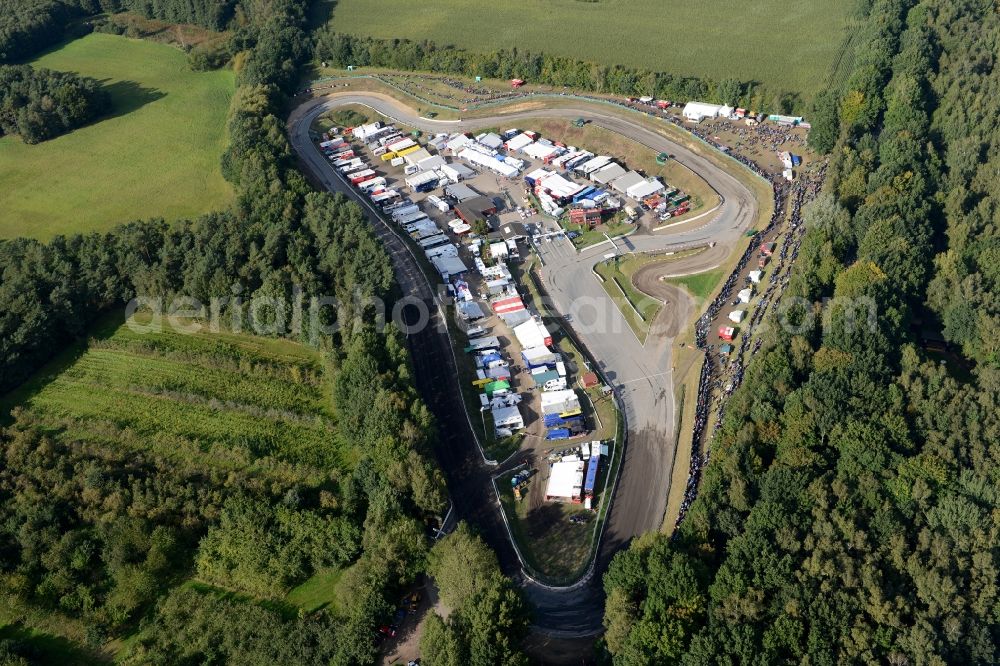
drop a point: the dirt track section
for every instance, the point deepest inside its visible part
(641, 373)
(678, 306)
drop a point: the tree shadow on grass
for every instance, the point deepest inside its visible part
(128, 96)
(43, 648)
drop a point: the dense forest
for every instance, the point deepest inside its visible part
(849, 511)
(341, 50)
(109, 536)
(39, 104)
(488, 616)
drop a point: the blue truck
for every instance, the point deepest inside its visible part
(591, 479)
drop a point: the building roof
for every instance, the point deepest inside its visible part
(428, 163)
(513, 231)
(509, 304)
(460, 192)
(416, 156)
(449, 265)
(541, 377)
(476, 208)
(490, 140)
(607, 173)
(470, 309)
(507, 416)
(458, 169)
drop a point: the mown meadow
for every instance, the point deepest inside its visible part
(786, 46)
(155, 155)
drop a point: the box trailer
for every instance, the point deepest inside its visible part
(590, 480)
(347, 162)
(361, 176)
(352, 165)
(433, 241)
(371, 184)
(384, 196)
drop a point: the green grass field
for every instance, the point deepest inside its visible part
(700, 285)
(204, 400)
(156, 155)
(787, 45)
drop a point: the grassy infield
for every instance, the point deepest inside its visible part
(157, 154)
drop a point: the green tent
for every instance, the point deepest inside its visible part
(498, 385)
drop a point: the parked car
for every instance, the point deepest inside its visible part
(387, 631)
(399, 617)
(414, 602)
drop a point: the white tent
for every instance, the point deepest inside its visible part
(697, 111)
(565, 480)
(532, 333)
(488, 162)
(539, 151)
(622, 183)
(518, 142)
(593, 164)
(458, 142)
(645, 189)
(558, 186)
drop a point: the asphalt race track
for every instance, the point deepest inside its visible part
(642, 374)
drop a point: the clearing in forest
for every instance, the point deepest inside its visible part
(155, 155)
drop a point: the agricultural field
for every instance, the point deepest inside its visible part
(156, 155)
(217, 400)
(786, 46)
